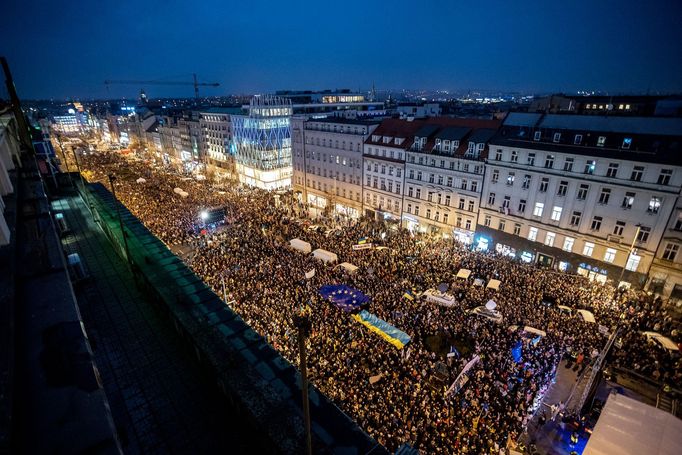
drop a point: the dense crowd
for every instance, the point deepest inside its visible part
(265, 278)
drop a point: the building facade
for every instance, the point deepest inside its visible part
(444, 176)
(327, 162)
(262, 142)
(589, 195)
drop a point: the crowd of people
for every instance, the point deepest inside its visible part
(265, 280)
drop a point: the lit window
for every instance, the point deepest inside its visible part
(568, 244)
(633, 263)
(601, 141)
(588, 249)
(610, 255)
(549, 238)
(627, 142)
(537, 135)
(532, 234)
(539, 207)
(654, 204)
(557, 137)
(556, 213)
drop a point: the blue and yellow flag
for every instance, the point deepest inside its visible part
(362, 241)
(408, 295)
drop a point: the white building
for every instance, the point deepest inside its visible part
(574, 192)
(444, 176)
(327, 162)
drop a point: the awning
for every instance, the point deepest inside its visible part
(463, 273)
(350, 268)
(325, 256)
(663, 340)
(587, 316)
(300, 245)
(630, 427)
(494, 284)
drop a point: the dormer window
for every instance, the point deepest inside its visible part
(601, 141)
(557, 137)
(438, 144)
(479, 147)
(387, 139)
(471, 147)
(455, 144)
(446, 145)
(375, 138)
(399, 140)
(578, 138)
(627, 142)
(537, 135)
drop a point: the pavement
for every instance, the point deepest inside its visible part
(161, 399)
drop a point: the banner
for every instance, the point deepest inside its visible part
(344, 297)
(462, 378)
(309, 275)
(382, 328)
(362, 246)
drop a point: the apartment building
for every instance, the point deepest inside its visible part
(444, 176)
(592, 195)
(327, 162)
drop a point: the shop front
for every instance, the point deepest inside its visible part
(463, 236)
(344, 210)
(593, 272)
(319, 202)
(505, 250)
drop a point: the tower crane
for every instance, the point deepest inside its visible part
(195, 83)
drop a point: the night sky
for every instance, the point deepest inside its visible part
(68, 48)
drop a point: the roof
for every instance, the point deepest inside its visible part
(223, 110)
(522, 119)
(426, 130)
(345, 121)
(482, 135)
(660, 126)
(453, 133)
(629, 427)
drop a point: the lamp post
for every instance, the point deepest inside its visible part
(112, 179)
(302, 323)
(632, 247)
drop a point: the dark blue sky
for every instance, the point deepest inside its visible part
(67, 48)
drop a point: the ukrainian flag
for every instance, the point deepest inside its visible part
(396, 337)
(362, 241)
(408, 295)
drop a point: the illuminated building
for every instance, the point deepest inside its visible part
(262, 142)
(66, 124)
(591, 195)
(327, 159)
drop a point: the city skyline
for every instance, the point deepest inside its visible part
(614, 46)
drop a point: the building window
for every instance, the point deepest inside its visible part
(557, 137)
(563, 187)
(670, 252)
(517, 229)
(532, 234)
(514, 156)
(418, 193)
(643, 235)
(486, 221)
(510, 179)
(410, 191)
(537, 135)
(568, 244)
(604, 196)
(449, 180)
(556, 213)
(501, 225)
(467, 225)
(664, 176)
(678, 222)
(578, 139)
(633, 263)
(445, 218)
(575, 218)
(495, 176)
(428, 213)
(627, 142)
(596, 223)
(539, 207)
(549, 161)
(590, 166)
(612, 170)
(416, 210)
(628, 200)
(588, 249)
(549, 238)
(491, 199)
(471, 206)
(461, 203)
(522, 206)
(447, 200)
(474, 186)
(601, 141)
(654, 204)
(544, 183)
(526, 182)
(618, 228)
(610, 255)
(582, 192)
(568, 165)
(637, 173)
(531, 159)
(498, 155)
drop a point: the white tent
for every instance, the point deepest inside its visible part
(586, 315)
(463, 273)
(565, 308)
(494, 284)
(530, 329)
(325, 256)
(141, 180)
(630, 427)
(200, 177)
(664, 341)
(478, 282)
(300, 245)
(348, 267)
(177, 190)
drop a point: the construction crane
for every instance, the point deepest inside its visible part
(195, 83)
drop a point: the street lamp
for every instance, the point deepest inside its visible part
(112, 179)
